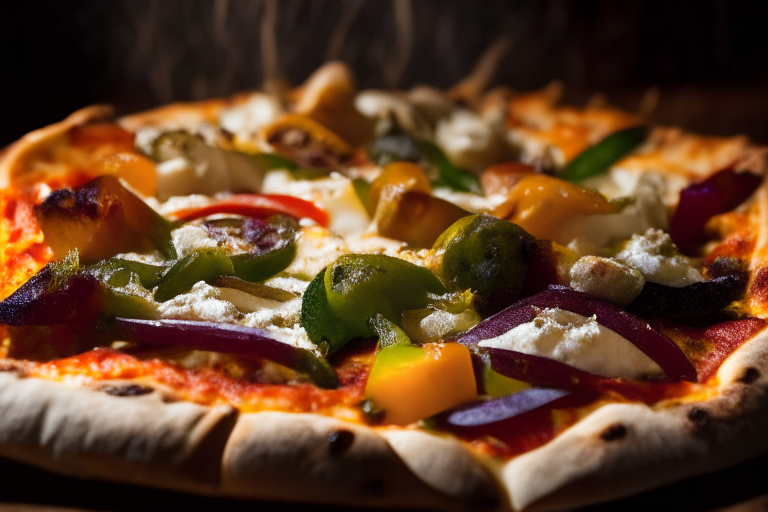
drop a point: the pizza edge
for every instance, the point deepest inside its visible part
(254, 455)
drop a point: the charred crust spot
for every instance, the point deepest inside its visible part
(375, 487)
(700, 418)
(339, 441)
(11, 367)
(750, 376)
(127, 390)
(613, 432)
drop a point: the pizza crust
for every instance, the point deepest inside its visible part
(310, 458)
(622, 449)
(13, 160)
(90, 434)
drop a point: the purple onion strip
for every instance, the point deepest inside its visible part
(652, 343)
(226, 338)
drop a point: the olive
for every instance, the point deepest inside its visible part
(484, 254)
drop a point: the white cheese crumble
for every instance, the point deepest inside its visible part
(203, 302)
(579, 342)
(607, 279)
(656, 257)
(247, 118)
(189, 237)
(437, 324)
(468, 140)
(622, 182)
(316, 248)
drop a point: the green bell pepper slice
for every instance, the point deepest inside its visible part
(600, 157)
(449, 174)
(339, 302)
(200, 265)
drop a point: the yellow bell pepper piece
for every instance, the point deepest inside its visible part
(397, 178)
(541, 204)
(411, 383)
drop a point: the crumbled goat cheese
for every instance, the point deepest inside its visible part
(202, 302)
(579, 342)
(656, 257)
(606, 279)
(468, 140)
(190, 237)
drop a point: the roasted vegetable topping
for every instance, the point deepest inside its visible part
(355, 288)
(274, 247)
(402, 147)
(601, 156)
(416, 218)
(307, 142)
(411, 383)
(484, 254)
(66, 293)
(541, 204)
(200, 265)
(396, 147)
(652, 343)
(101, 219)
(697, 299)
(258, 206)
(699, 202)
(230, 339)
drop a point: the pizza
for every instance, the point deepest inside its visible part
(460, 300)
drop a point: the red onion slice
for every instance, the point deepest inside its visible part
(699, 202)
(541, 371)
(514, 419)
(226, 338)
(652, 343)
(504, 408)
(697, 299)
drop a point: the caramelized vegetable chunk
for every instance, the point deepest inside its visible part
(411, 383)
(541, 204)
(101, 219)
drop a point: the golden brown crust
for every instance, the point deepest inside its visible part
(176, 116)
(305, 457)
(92, 434)
(13, 159)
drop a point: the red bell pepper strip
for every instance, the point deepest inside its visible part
(256, 205)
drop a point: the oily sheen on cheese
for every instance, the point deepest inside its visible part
(577, 341)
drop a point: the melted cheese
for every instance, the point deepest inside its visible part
(645, 211)
(579, 342)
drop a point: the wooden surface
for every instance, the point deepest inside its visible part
(742, 488)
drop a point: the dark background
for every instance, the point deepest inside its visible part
(708, 58)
